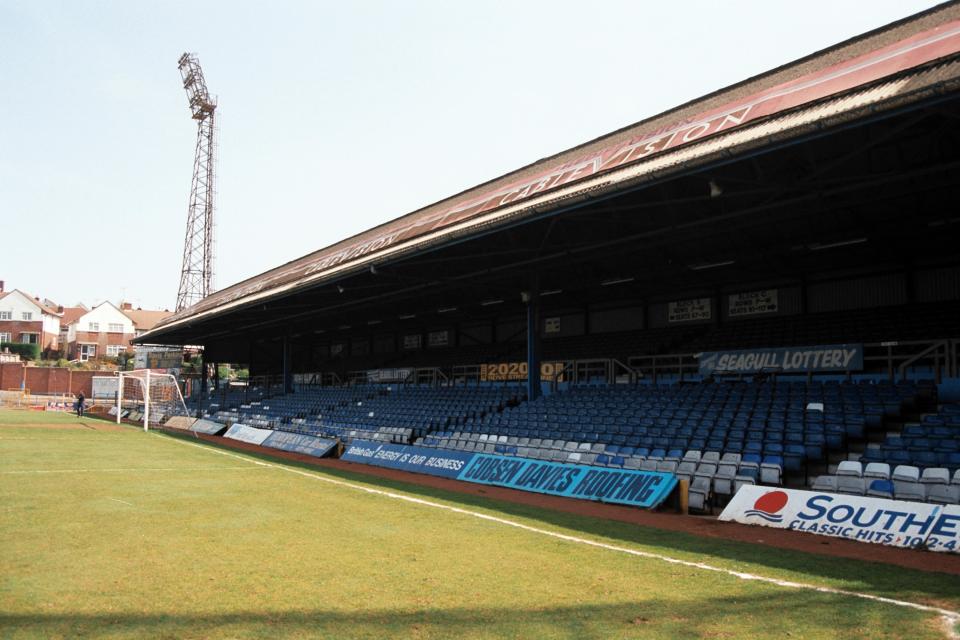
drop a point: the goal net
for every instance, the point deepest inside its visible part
(148, 397)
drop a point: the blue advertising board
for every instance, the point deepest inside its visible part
(623, 486)
(436, 462)
(299, 443)
(831, 357)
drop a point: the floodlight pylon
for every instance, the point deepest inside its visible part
(196, 274)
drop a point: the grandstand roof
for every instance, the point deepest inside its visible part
(882, 69)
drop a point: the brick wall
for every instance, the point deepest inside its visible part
(11, 375)
(52, 380)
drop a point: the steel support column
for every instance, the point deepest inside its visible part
(203, 382)
(287, 365)
(533, 339)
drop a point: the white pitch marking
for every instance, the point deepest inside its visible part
(125, 470)
(949, 618)
(119, 500)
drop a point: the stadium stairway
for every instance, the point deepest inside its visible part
(921, 462)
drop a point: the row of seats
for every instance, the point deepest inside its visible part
(904, 483)
(376, 412)
(933, 442)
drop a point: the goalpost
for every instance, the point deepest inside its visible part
(150, 396)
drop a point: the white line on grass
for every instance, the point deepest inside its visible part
(124, 470)
(949, 618)
(119, 500)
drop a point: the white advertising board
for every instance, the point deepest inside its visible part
(689, 310)
(752, 303)
(896, 523)
(438, 338)
(245, 433)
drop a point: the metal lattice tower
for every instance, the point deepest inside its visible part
(196, 276)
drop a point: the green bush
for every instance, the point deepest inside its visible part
(26, 351)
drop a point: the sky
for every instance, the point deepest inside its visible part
(333, 117)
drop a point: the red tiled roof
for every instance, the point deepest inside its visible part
(145, 319)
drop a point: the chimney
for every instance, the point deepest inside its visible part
(60, 308)
(1, 286)
(127, 306)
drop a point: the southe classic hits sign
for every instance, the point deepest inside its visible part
(896, 523)
(831, 357)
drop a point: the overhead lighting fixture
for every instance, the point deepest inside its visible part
(487, 303)
(407, 317)
(943, 222)
(373, 269)
(371, 322)
(551, 292)
(710, 265)
(835, 245)
(608, 283)
(447, 310)
(319, 330)
(343, 327)
(340, 288)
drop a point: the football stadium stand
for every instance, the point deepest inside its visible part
(759, 287)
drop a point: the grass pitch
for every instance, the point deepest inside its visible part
(123, 534)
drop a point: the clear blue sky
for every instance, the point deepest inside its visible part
(334, 117)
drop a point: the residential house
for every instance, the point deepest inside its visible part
(70, 315)
(28, 320)
(106, 330)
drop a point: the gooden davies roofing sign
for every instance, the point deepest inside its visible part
(624, 486)
(645, 489)
(895, 523)
(832, 357)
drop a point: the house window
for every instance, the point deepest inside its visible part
(27, 315)
(115, 327)
(115, 349)
(93, 326)
(5, 337)
(6, 315)
(29, 338)
(88, 351)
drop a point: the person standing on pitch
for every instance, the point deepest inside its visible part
(80, 400)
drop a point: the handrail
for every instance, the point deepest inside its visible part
(932, 349)
(568, 366)
(633, 373)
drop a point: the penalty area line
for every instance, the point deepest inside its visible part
(950, 618)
